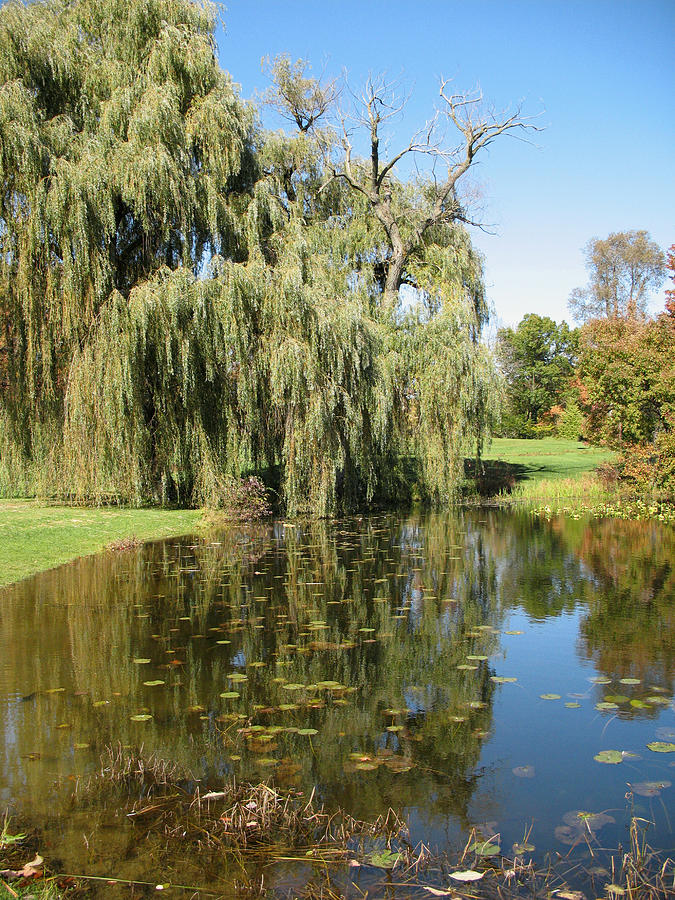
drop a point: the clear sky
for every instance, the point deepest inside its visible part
(599, 74)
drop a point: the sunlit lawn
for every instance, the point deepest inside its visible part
(549, 459)
(35, 537)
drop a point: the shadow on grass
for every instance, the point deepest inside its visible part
(492, 477)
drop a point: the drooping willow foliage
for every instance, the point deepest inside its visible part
(186, 298)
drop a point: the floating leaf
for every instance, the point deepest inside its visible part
(589, 821)
(230, 695)
(502, 679)
(291, 686)
(141, 717)
(366, 766)
(437, 892)
(307, 731)
(484, 848)
(662, 747)
(523, 847)
(650, 788)
(513, 632)
(550, 696)
(640, 704)
(609, 756)
(465, 667)
(141, 661)
(153, 683)
(600, 679)
(606, 704)
(466, 875)
(629, 681)
(617, 698)
(386, 859)
(573, 705)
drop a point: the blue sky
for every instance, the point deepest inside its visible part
(599, 74)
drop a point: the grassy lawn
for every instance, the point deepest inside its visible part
(35, 537)
(548, 460)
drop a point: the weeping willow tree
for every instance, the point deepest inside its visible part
(187, 299)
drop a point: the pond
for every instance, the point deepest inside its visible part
(474, 669)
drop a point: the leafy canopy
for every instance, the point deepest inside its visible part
(186, 298)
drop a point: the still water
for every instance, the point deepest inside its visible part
(466, 669)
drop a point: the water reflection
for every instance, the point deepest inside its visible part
(359, 656)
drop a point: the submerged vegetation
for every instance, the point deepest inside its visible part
(241, 830)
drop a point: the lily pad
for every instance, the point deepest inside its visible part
(385, 859)
(573, 705)
(292, 686)
(484, 848)
(630, 681)
(230, 695)
(609, 756)
(650, 788)
(502, 679)
(662, 747)
(141, 717)
(606, 704)
(142, 661)
(550, 696)
(154, 683)
(524, 847)
(307, 731)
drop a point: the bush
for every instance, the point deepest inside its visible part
(242, 499)
(650, 468)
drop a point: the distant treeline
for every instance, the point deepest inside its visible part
(611, 381)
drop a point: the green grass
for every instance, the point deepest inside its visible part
(546, 460)
(35, 537)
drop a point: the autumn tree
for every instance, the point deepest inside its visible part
(624, 269)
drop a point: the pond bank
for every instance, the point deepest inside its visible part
(36, 537)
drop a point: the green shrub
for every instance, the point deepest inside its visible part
(571, 423)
